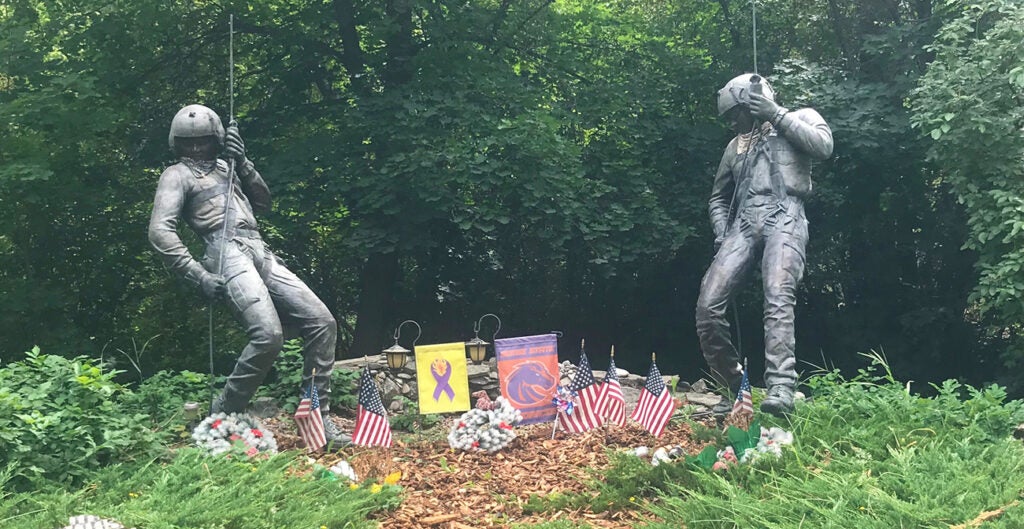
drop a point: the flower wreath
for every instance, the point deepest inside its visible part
(485, 430)
(224, 432)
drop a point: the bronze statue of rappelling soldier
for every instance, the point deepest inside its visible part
(238, 267)
(757, 209)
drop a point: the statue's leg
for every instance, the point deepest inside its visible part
(302, 310)
(253, 307)
(730, 267)
(782, 268)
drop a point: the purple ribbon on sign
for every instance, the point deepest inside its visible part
(442, 380)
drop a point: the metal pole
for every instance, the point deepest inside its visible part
(229, 197)
(753, 19)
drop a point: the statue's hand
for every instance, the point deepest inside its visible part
(233, 144)
(762, 108)
(718, 242)
(214, 286)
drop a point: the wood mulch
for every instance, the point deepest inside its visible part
(444, 488)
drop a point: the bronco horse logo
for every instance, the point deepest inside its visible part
(530, 383)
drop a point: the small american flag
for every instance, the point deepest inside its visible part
(611, 403)
(309, 420)
(744, 405)
(585, 414)
(656, 405)
(372, 427)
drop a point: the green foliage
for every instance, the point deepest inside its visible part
(195, 491)
(969, 104)
(548, 162)
(163, 395)
(285, 384)
(61, 419)
(868, 453)
(410, 420)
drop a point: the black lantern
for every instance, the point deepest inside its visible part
(396, 355)
(477, 347)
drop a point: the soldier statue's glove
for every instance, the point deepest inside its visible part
(762, 108)
(718, 242)
(214, 285)
(234, 147)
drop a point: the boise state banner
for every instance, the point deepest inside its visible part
(528, 372)
(441, 377)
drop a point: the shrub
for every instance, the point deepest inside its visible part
(284, 384)
(60, 419)
(163, 395)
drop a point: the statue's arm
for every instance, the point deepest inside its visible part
(807, 131)
(254, 187)
(168, 204)
(721, 192)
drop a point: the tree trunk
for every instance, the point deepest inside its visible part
(376, 293)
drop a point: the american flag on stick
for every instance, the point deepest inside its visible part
(372, 426)
(656, 405)
(744, 405)
(585, 414)
(611, 404)
(309, 420)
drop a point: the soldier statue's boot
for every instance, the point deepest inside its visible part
(335, 438)
(217, 406)
(779, 401)
(724, 407)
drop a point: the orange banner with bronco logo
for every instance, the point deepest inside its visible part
(528, 372)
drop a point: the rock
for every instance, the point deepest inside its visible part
(356, 364)
(406, 376)
(700, 386)
(396, 406)
(482, 370)
(389, 389)
(704, 399)
(634, 381)
(683, 386)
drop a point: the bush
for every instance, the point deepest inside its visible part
(284, 384)
(60, 419)
(163, 395)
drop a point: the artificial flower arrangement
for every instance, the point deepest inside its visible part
(225, 432)
(745, 446)
(485, 430)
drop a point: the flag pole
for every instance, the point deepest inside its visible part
(604, 405)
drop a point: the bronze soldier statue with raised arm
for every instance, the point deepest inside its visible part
(264, 296)
(757, 207)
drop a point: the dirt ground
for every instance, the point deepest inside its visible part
(460, 490)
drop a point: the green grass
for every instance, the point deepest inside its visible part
(198, 492)
(869, 454)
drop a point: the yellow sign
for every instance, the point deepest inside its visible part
(441, 377)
